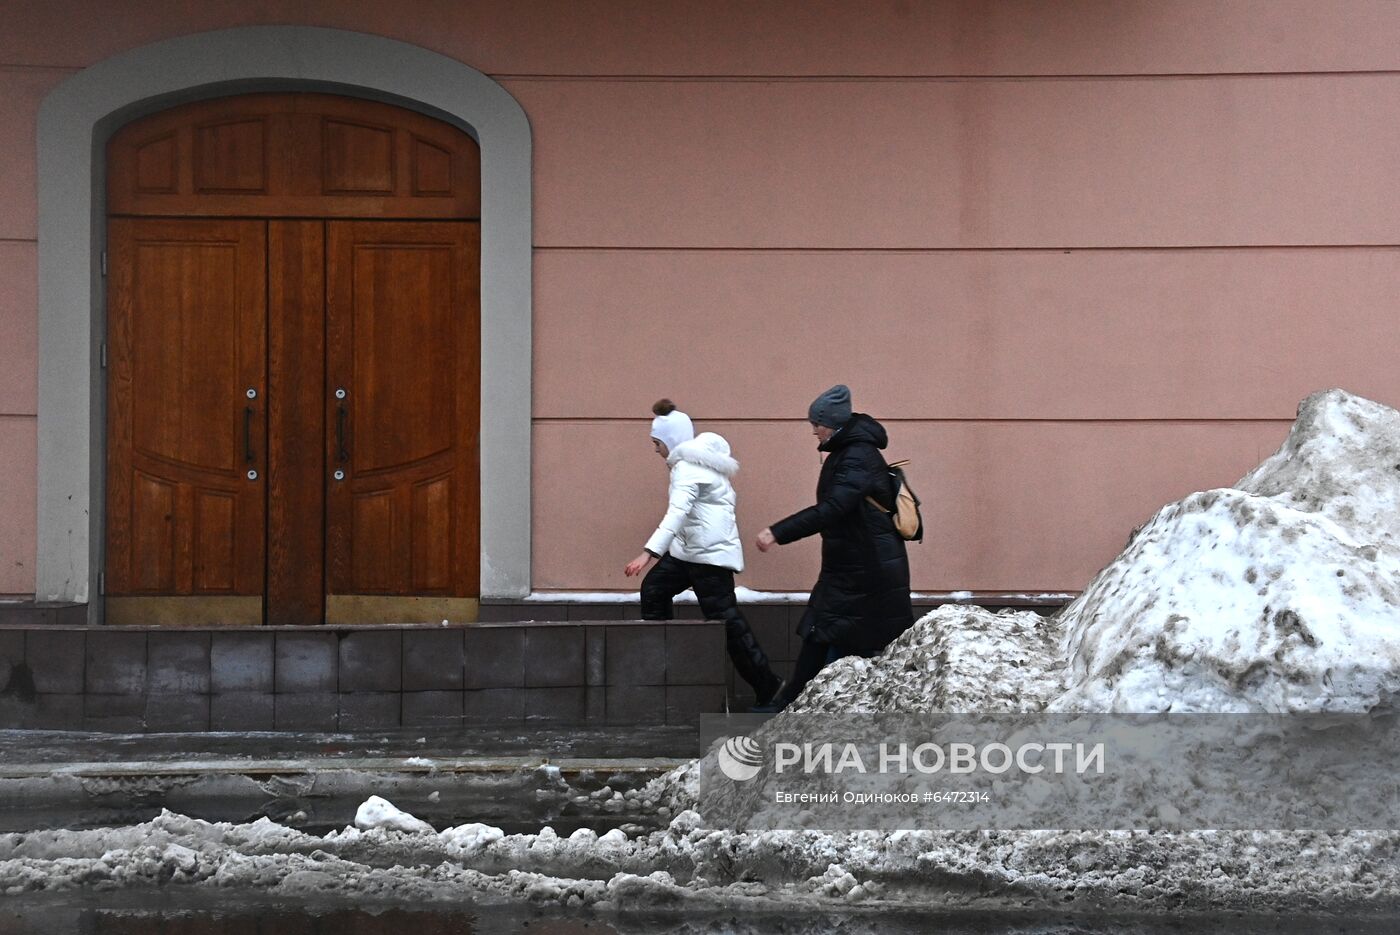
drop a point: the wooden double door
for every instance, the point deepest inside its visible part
(293, 412)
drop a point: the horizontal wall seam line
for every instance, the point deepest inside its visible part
(932, 78)
(542, 248)
(473, 219)
(654, 77)
(932, 420)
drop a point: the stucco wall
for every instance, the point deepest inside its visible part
(1082, 257)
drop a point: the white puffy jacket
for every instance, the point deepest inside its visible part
(699, 525)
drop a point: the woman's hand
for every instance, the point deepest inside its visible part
(766, 540)
(638, 565)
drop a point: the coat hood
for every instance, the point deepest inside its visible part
(860, 428)
(709, 451)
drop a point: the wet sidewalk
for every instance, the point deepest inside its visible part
(518, 778)
(27, 753)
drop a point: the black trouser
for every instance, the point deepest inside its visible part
(811, 658)
(714, 589)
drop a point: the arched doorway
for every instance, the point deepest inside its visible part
(82, 112)
(293, 374)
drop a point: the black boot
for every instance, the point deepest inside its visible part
(810, 659)
(778, 702)
(769, 691)
(749, 659)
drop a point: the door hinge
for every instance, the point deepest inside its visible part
(101, 583)
(104, 262)
(104, 354)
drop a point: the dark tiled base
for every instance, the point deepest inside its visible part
(685, 703)
(310, 711)
(306, 662)
(432, 709)
(588, 663)
(177, 712)
(31, 614)
(114, 713)
(565, 705)
(636, 704)
(241, 662)
(495, 656)
(493, 705)
(241, 711)
(369, 711)
(433, 660)
(56, 712)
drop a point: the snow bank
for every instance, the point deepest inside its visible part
(690, 868)
(1279, 595)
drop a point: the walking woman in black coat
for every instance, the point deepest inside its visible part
(861, 599)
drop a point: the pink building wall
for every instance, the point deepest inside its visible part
(1082, 258)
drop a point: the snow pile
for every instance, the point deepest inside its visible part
(954, 659)
(1279, 595)
(375, 812)
(471, 837)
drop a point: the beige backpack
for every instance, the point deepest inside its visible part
(908, 522)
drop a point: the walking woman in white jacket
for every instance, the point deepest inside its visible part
(697, 544)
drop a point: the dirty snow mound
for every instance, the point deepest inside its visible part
(956, 659)
(1342, 461)
(1279, 595)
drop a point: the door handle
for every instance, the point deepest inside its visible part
(341, 454)
(248, 434)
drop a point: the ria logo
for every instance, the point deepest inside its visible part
(740, 758)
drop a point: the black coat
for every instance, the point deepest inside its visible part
(861, 600)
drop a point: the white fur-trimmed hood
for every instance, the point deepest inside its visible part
(708, 450)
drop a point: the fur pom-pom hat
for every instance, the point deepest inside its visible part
(671, 427)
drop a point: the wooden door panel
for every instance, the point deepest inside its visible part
(296, 476)
(432, 556)
(230, 157)
(150, 531)
(403, 350)
(216, 541)
(293, 155)
(403, 342)
(186, 316)
(375, 550)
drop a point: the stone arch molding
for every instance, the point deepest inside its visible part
(75, 122)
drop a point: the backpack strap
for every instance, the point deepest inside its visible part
(894, 489)
(879, 506)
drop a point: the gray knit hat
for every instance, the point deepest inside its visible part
(832, 408)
